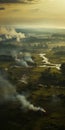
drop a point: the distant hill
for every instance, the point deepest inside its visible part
(40, 30)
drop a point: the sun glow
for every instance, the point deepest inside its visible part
(46, 13)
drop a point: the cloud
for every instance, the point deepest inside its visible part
(18, 1)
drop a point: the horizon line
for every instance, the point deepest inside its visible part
(33, 26)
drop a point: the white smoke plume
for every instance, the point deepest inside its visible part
(8, 93)
(21, 62)
(11, 33)
(27, 105)
(24, 58)
(19, 58)
(27, 57)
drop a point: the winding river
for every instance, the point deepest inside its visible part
(46, 62)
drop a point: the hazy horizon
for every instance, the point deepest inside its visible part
(33, 13)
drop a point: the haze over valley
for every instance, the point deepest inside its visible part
(32, 80)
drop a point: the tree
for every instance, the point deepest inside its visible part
(49, 78)
(62, 81)
(63, 68)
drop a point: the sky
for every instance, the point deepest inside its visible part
(32, 13)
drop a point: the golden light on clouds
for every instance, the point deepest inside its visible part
(43, 12)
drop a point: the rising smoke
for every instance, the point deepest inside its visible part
(27, 105)
(27, 57)
(21, 62)
(21, 58)
(11, 33)
(8, 93)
